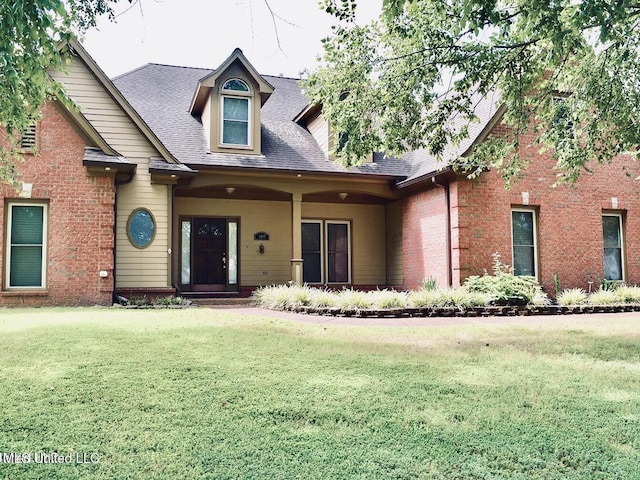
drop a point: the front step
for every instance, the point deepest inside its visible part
(213, 302)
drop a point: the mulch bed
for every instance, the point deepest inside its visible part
(489, 311)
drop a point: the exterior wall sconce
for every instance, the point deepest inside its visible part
(261, 248)
(343, 195)
(229, 190)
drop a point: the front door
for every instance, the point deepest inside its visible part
(208, 254)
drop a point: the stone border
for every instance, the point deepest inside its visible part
(488, 311)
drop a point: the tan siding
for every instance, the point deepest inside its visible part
(147, 267)
(394, 244)
(255, 216)
(367, 237)
(319, 129)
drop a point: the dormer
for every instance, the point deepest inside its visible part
(229, 102)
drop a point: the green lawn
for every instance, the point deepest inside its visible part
(198, 393)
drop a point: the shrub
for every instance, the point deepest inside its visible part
(349, 299)
(427, 298)
(450, 297)
(628, 294)
(280, 297)
(388, 299)
(604, 297)
(429, 284)
(572, 296)
(322, 298)
(504, 287)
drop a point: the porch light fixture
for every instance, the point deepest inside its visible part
(343, 195)
(229, 190)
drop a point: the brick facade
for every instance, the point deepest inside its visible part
(80, 219)
(424, 229)
(569, 223)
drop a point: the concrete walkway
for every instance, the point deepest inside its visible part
(420, 321)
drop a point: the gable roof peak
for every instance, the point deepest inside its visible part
(207, 83)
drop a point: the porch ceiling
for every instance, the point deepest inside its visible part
(352, 197)
(239, 192)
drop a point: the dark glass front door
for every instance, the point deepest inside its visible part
(209, 254)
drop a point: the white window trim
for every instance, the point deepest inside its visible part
(622, 245)
(326, 234)
(248, 95)
(322, 249)
(534, 213)
(45, 221)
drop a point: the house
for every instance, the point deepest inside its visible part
(213, 182)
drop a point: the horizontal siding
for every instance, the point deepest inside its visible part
(255, 216)
(368, 244)
(135, 267)
(394, 244)
(319, 129)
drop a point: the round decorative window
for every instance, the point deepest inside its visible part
(141, 228)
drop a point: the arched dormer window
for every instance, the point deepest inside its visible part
(236, 113)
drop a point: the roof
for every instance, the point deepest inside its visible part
(162, 95)
(425, 164)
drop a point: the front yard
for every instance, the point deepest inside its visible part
(200, 393)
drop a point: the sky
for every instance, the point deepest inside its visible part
(203, 33)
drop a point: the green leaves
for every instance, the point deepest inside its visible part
(417, 75)
(31, 32)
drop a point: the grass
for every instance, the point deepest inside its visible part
(197, 393)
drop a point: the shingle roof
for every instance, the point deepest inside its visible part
(162, 95)
(95, 156)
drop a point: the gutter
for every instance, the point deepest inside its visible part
(448, 260)
(117, 183)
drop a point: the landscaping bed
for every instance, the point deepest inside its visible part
(488, 311)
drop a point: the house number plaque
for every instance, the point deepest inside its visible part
(261, 236)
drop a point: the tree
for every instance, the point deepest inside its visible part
(31, 32)
(568, 70)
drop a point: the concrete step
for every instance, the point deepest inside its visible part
(213, 302)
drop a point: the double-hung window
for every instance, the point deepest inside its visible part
(523, 241)
(613, 246)
(236, 113)
(326, 251)
(26, 245)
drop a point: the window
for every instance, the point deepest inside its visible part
(141, 228)
(28, 138)
(562, 118)
(235, 113)
(612, 239)
(326, 251)
(26, 242)
(523, 240)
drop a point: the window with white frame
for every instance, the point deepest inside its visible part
(326, 251)
(236, 113)
(613, 246)
(26, 245)
(523, 241)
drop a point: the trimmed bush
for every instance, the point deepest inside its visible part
(572, 296)
(604, 297)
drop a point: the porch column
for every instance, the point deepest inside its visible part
(296, 232)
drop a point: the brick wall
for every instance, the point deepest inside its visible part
(80, 219)
(569, 219)
(424, 220)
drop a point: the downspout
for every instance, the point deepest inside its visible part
(447, 196)
(117, 183)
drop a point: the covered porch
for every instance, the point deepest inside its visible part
(233, 232)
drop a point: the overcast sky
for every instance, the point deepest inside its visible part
(202, 33)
